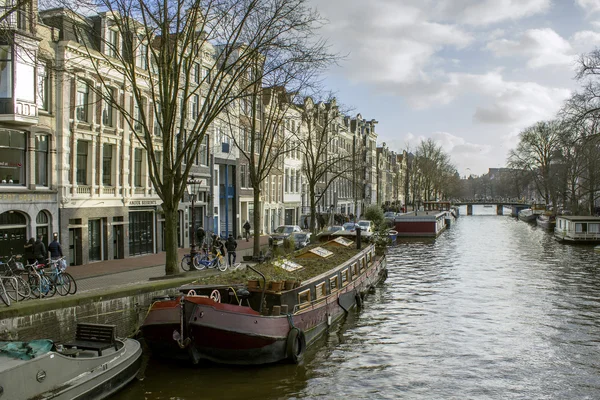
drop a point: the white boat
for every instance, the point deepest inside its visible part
(40, 370)
(527, 215)
(577, 229)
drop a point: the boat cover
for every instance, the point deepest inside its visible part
(25, 350)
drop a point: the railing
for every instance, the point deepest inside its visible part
(108, 190)
(84, 189)
(139, 191)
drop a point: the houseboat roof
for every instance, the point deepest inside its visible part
(421, 215)
(589, 218)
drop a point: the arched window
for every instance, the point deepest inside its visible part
(13, 233)
(43, 226)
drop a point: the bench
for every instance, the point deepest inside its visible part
(96, 337)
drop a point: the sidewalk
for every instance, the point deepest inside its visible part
(104, 274)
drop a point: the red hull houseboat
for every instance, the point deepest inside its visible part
(244, 324)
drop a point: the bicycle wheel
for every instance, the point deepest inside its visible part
(10, 288)
(73, 287)
(62, 283)
(47, 287)
(23, 288)
(35, 284)
(200, 261)
(3, 296)
(186, 263)
(222, 264)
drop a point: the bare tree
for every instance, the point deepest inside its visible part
(538, 149)
(239, 45)
(323, 163)
(434, 168)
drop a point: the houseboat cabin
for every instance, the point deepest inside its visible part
(573, 228)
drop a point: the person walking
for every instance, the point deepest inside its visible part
(29, 256)
(247, 230)
(55, 248)
(305, 222)
(200, 235)
(231, 245)
(39, 250)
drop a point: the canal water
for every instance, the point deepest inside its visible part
(492, 309)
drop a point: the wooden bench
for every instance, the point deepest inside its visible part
(96, 337)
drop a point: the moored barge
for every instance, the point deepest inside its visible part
(577, 229)
(246, 324)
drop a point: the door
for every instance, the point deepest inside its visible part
(118, 244)
(75, 246)
(95, 240)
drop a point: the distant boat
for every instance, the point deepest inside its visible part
(597, 249)
(546, 221)
(393, 235)
(527, 215)
(577, 229)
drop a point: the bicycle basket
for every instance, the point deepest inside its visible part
(19, 266)
(62, 264)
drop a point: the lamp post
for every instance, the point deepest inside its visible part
(193, 186)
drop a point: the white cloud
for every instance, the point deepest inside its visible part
(542, 47)
(478, 12)
(590, 6)
(585, 41)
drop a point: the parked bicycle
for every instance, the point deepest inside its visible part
(210, 261)
(39, 282)
(63, 281)
(12, 272)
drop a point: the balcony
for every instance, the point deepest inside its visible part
(84, 189)
(18, 112)
(228, 191)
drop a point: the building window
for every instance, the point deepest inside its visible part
(82, 161)
(25, 76)
(243, 168)
(81, 107)
(206, 75)
(137, 167)
(41, 160)
(112, 43)
(13, 232)
(42, 223)
(194, 107)
(137, 124)
(143, 56)
(5, 72)
(196, 73)
(12, 157)
(107, 107)
(204, 151)
(157, 131)
(107, 153)
(23, 15)
(43, 92)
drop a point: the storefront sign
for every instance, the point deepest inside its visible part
(142, 203)
(28, 197)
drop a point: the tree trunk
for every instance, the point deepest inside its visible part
(256, 222)
(313, 209)
(172, 263)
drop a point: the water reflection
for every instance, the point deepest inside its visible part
(493, 308)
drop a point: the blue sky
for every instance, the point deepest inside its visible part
(471, 74)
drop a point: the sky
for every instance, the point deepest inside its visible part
(470, 74)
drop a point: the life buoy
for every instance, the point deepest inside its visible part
(295, 345)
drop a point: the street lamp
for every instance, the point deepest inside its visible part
(193, 186)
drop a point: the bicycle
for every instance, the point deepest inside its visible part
(217, 261)
(39, 282)
(15, 286)
(63, 281)
(3, 294)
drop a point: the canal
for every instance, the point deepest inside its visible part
(492, 309)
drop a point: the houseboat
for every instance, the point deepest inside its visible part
(421, 223)
(546, 221)
(527, 215)
(256, 322)
(577, 229)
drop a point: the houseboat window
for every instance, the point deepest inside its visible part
(580, 228)
(356, 268)
(364, 263)
(304, 298)
(594, 228)
(333, 284)
(321, 290)
(345, 276)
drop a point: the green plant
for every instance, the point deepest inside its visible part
(374, 213)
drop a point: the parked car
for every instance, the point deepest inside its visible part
(389, 214)
(284, 231)
(365, 225)
(301, 239)
(350, 226)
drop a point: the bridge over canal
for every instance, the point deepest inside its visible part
(514, 205)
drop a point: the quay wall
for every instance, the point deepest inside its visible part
(57, 318)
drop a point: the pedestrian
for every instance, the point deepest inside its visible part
(231, 245)
(200, 235)
(305, 222)
(247, 230)
(218, 246)
(29, 256)
(55, 248)
(39, 250)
